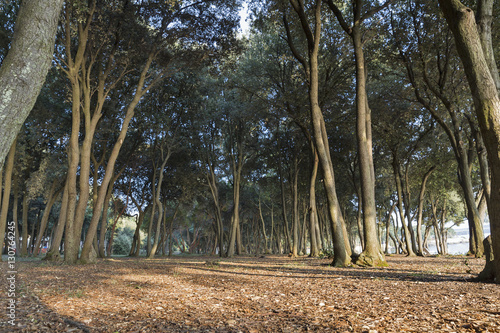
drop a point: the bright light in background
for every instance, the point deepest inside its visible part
(245, 28)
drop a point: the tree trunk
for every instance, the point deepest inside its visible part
(266, 248)
(372, 254)
(51, 199)
(295, 195)
(397, 178)
(53, 253)
(420, 211)
(313, 216)
(159, 203)
(341, 258)
(104, 223)
(387, 230)
(6, 193)
(24, 68)
(486, 102)
(24, 245)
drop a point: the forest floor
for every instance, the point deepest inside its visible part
(252, 294)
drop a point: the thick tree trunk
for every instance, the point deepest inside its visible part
(472, 212)
(486, 102)
(24, 68)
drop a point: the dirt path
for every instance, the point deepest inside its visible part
(271, 294)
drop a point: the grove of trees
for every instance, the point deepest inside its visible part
(349, 129)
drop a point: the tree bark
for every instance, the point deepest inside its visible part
(26, 65)
(341, 257)
(486, 101)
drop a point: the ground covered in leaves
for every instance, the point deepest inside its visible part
(252, 294)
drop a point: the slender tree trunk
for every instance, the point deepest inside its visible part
(24, 245)
(266, 248)
(51, 199)
(104, 223)
(313, 218)
(397, 178)
(372, 254)
(295, 189)
(15, 205)
(341, 257)
(9, 166)
(53, 253)
(159, 204)
(420, 211)
(387, 230)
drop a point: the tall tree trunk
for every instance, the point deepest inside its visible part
(15, 205)
(141, 90)
(372, 254)
(296, 217)
(341, 257)
(9, 166)
(487, 105)
(159, 203)
(313, 217)
(24, 245)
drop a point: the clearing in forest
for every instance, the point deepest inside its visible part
(252, 294)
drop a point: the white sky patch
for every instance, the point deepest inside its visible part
(245, 28)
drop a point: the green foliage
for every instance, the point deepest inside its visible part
(122, 241)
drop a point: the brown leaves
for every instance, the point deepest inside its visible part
(247, 294)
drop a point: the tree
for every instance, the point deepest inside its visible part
(372, 255)
(486, 102)
(310, 64)
(24, 68)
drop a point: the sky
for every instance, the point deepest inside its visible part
(243, 19)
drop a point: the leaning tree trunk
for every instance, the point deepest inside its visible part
(53, 253)
(24, 68)
(51, 199)
(486, 102)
